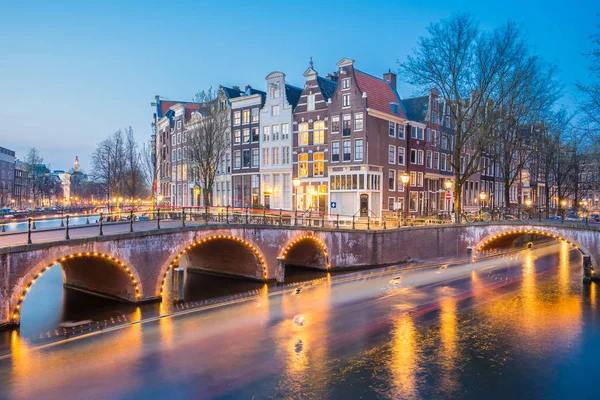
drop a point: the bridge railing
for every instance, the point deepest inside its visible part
(123, 221)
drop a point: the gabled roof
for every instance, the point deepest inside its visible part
(292, 94)
(416, 108)
(327, 87)
(380, 94)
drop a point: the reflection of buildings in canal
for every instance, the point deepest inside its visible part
(543, 314)
(302, 341)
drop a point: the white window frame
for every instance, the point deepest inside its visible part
(391, 154)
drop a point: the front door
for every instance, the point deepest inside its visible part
(267, 201)
(364, 205)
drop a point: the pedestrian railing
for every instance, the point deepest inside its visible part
(122, 221)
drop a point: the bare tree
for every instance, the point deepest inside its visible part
(206, 135)
(535, 91)
(108, 164)
(589, 99)
(35, 168)
(467, 66)
(116, 166)
(150, 165)
(134, 184)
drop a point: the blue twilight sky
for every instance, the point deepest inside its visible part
(72, 72)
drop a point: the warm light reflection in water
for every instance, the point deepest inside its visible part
(540, 318)
(449, 338)
(302, 338)
(408, 343)
(403, 364)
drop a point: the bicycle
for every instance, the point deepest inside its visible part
(481, 216)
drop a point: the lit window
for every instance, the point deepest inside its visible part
(246, 138)
(237, 139)
(246, 117)
(303, 134)
(319, 132)
(255, 115)
(318, 164)
(275, 158)
(303, 164)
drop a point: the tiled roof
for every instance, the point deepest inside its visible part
(327, 87)
(165, 105)
(379, 93)
(292, 94)
(416, 108)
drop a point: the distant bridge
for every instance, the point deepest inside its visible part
(134, 266)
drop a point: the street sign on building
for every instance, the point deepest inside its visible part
(332, 204)
(448, 196)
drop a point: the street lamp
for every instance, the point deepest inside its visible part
(448, 186)
(482, 197)
(296, 183)
(405, 178)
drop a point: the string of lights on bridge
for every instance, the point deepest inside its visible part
(520, 232)
(198, 242)
(115, 260)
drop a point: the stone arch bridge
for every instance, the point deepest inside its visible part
(134, 266)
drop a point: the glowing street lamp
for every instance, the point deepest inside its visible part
(405, 178)
(296, 183)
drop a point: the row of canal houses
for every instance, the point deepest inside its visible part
(338, 145)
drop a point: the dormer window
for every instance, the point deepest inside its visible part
(394, 107)
(345, 83)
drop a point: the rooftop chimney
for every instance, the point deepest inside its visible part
(391, 78)
(333, 76)
(236, 87)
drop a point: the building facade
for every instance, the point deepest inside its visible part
(245, 148)
(367, 130)
(311, 142)
(7, 175)
(276, 121)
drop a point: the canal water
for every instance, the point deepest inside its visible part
(518, 326)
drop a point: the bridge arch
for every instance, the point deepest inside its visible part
(108, 276)
(220, 249)
(306, 251)
(513, 232)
